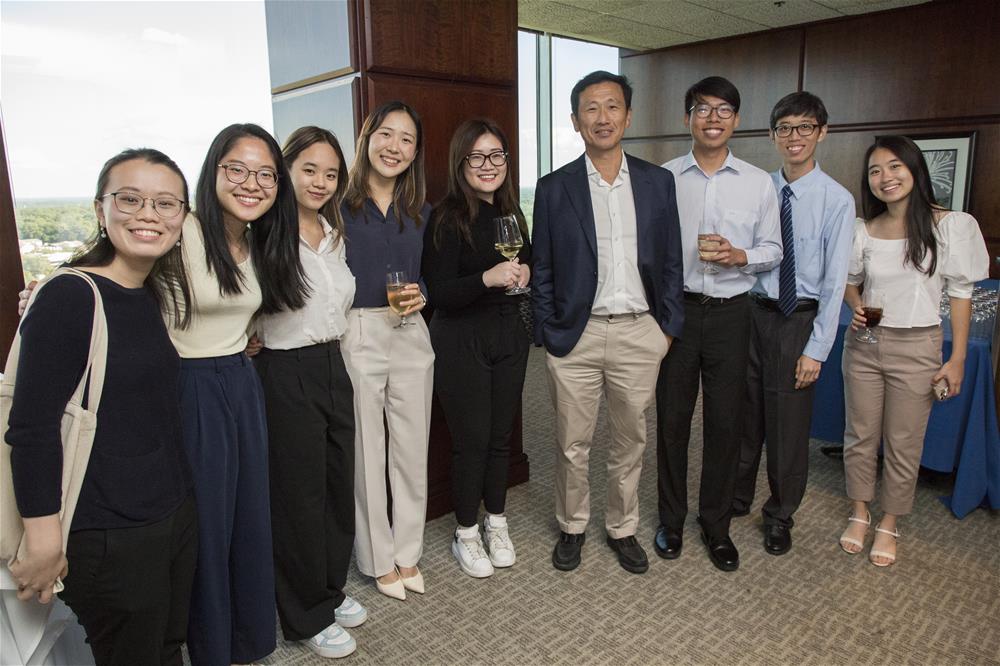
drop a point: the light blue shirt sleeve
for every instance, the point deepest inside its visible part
(837, 239)
(765, 253)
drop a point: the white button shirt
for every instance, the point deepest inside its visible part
(324, 316)
(737, 202)
(619, 287)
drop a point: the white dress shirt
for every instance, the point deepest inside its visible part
(619, 287)
(912, 298)
(324, 316)
(737, 202)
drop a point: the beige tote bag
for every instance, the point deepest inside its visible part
(78, 427)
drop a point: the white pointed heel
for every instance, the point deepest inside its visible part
(395, 589)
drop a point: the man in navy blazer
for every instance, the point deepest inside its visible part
(607, 289)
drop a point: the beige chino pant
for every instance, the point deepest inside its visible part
(621, 359)
(888, 394)
(392, 371)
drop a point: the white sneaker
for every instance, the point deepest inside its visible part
(498, 541)
(350, 613)
(333, 642)
(467, 547)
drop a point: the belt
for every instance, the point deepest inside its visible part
(801, 305)
(703, 299)
(612, 318)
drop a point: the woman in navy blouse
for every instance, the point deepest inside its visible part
(391, 366)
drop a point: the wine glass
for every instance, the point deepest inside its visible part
(707, 249)
(395, 282)
(509, 243)
(872, 303)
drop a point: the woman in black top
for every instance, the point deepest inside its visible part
(480, 344)
(133, 542)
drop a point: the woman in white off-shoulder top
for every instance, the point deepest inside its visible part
(908, 249)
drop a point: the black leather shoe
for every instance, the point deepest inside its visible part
(722, 551)
(566, 555)
(668, 543)
(777, 539)
(740, 509)
(630, 554)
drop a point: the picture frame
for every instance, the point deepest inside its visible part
(949, 160)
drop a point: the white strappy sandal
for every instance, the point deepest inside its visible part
(846, 540)
(881, 553)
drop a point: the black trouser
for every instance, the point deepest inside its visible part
(479, 364)
(310, 429)
(776, 412)
(712, 348)
(131, 588)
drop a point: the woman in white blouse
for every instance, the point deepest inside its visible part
(310, 412)
(907, 249)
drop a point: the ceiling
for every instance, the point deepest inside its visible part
(653, 24)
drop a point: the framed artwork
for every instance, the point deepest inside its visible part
(949, 160)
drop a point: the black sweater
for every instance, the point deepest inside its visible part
(137, 473)
(454, 272)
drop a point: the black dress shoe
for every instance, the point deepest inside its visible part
(777, 539)
(630, 554)
(566, 555)
(740, 509)
(722, 551)
(668, 543)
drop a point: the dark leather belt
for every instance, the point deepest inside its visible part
(703, 299)
(801, 305)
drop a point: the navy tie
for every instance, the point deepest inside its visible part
(786, 274)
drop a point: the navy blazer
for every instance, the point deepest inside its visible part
(564, 240)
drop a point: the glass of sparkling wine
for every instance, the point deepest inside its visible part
(509, 243)
(872, 302)
(395, 282)
(707, 249)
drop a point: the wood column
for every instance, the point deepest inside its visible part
(450, 60)
(11, 277)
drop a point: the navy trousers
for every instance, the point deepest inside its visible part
(225, 435)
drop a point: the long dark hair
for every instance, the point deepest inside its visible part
(920, 204)
(303, 138)
(411, 187)
(461, 205)
(274, 243)
(168, 280)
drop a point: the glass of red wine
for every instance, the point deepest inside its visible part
(872, 302)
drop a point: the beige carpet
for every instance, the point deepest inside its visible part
(816, 605)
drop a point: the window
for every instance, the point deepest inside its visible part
(527, 118)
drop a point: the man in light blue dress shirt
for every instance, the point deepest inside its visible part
(794, 317)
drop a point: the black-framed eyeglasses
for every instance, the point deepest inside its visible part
(804, 129)
(238, 174)
(131, 202)
(723, 111)
(477, 160)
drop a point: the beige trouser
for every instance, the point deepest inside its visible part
(888, 394)
(620, 358)
(392, 373)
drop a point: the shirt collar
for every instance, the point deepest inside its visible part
(802, 184)
(592, 170)
(690, 162)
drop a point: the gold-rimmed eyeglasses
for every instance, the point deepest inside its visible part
(239, 174)
(723, 111)
(131, 202)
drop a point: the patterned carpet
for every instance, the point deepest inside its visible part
(816, 605)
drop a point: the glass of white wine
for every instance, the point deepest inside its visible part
(509, 244)
(395, 282)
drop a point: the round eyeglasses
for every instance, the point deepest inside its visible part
(238, 174)
(804, 129)
(477, 160)
(130, 202)
(723, 111)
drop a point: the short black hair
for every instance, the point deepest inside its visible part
(799, 104)
(600, 76)
(716, 86)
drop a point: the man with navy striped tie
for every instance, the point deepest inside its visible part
(729, 206)
(793, 318)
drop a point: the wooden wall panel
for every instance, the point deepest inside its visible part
(919, 70)
(762, 69)
(442, 106)
(933, 61)
(449, 39)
